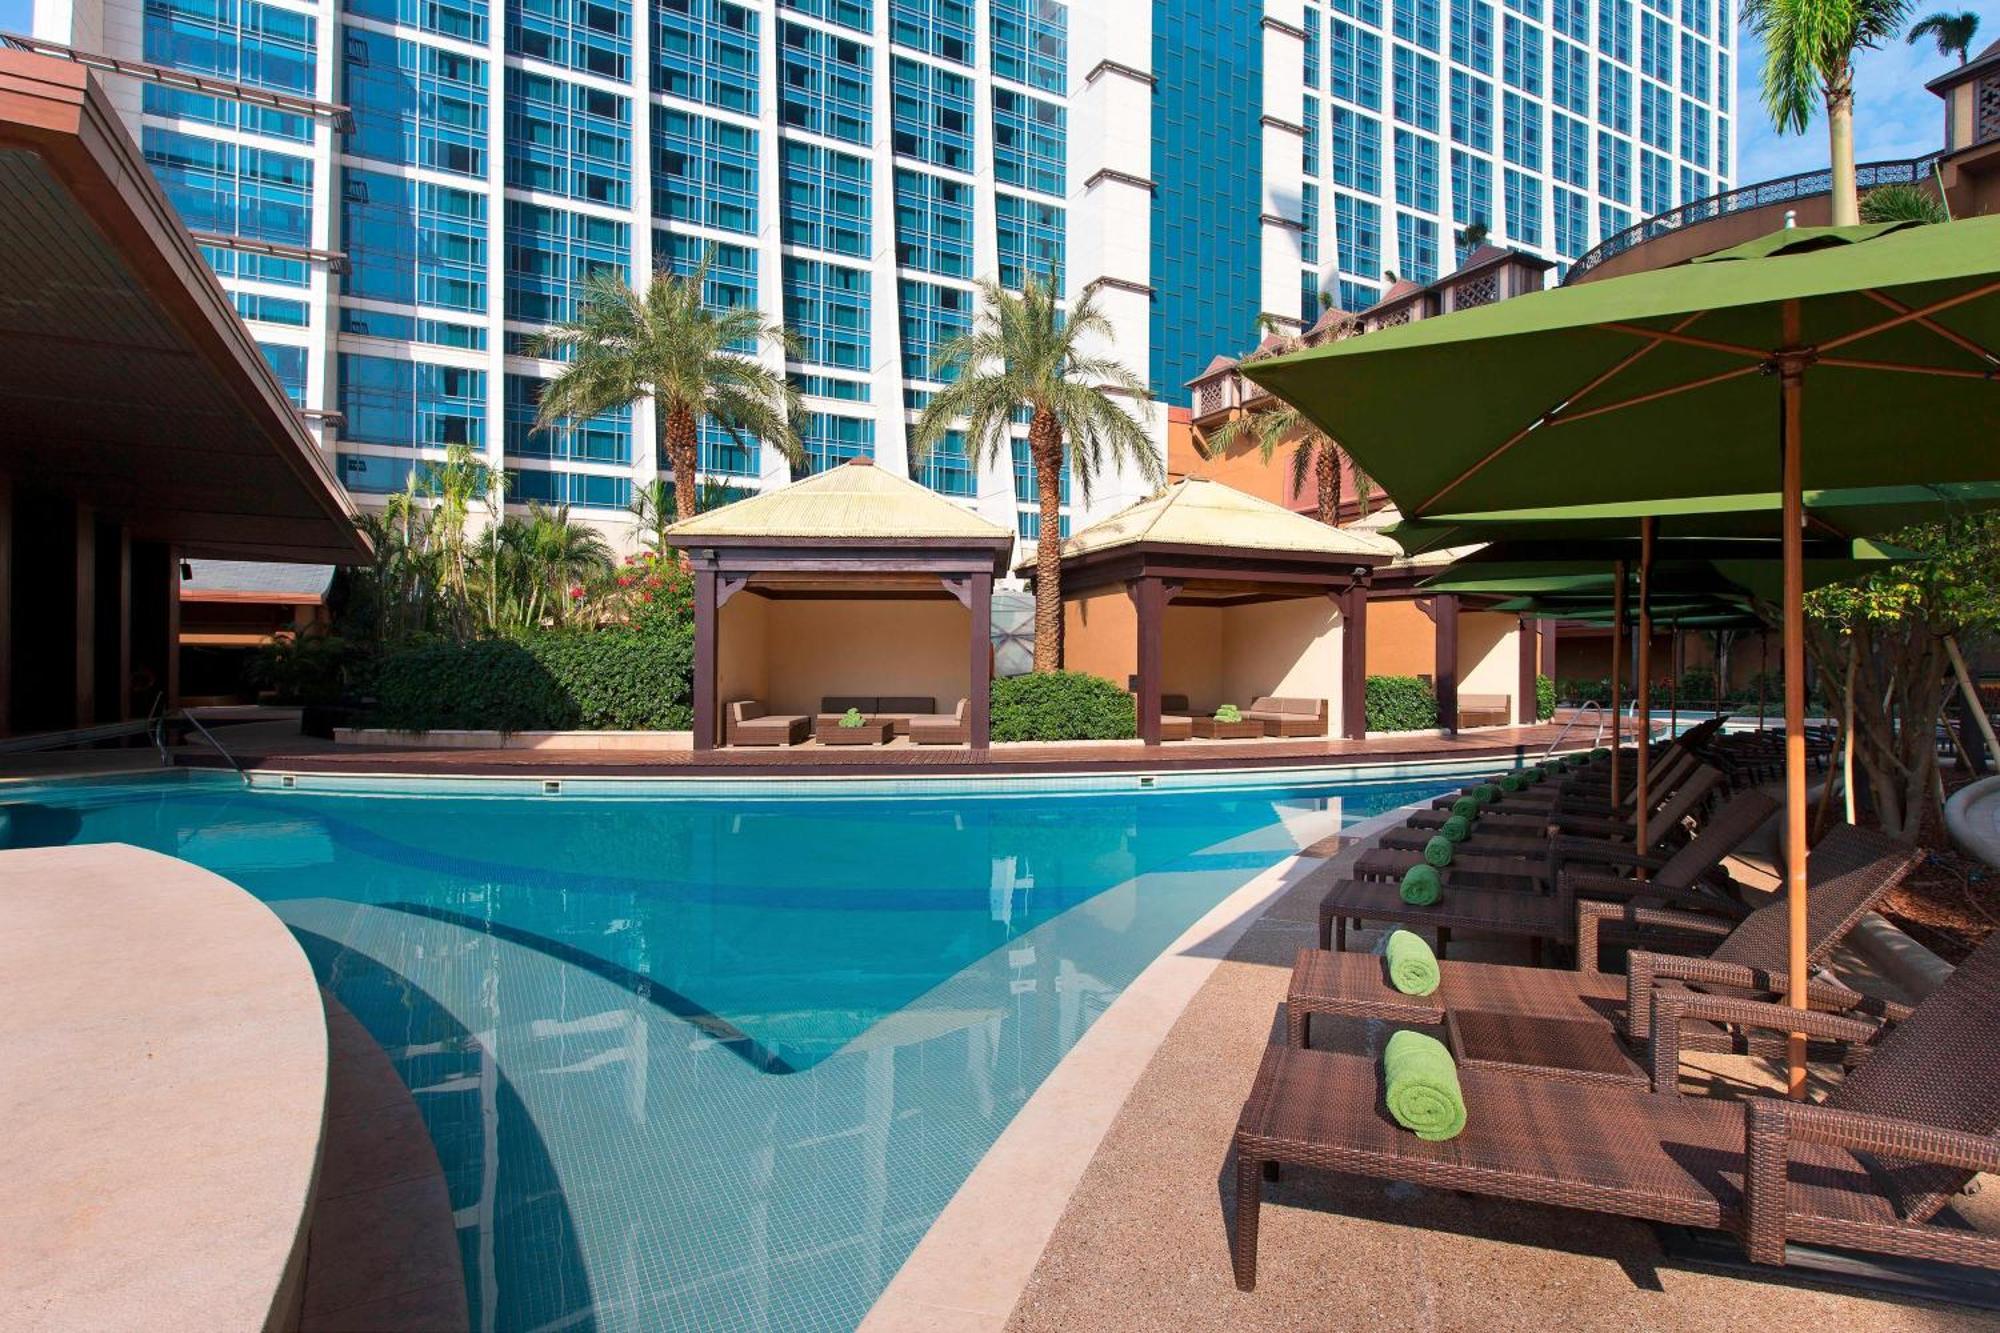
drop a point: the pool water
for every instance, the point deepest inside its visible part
(713, 1062)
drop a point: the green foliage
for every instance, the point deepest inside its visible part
(1062, 706)
(621, 679)
(309, 667)
(1902, 203)
(1229, 713)
(1581, 691)
(852, 719)
(1401, 703)
(1545, 698)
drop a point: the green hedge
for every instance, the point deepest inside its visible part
(1401, 703)
(1062, 706)
(559, 680)
(1545, 698)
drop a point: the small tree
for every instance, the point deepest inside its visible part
(668, 344)
(1022, 353)
(1315, 454)
(1952, 32)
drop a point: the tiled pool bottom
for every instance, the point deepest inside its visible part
(715, 1064)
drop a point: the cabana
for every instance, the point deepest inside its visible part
(853, 587)
(1219, 597)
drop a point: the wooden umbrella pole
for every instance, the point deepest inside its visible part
(1642, 808)
(1791, 369)
(1847, 736)
(1763, 673)
(1674, 684)
(1617, 653)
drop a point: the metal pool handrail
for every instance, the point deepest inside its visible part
(220, 749)
(1575, 718)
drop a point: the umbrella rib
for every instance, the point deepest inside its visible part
(1572, 418)
(1851, 363)
(1685, 340)
(1910, 316)
(1951, 336)
(1654, 339)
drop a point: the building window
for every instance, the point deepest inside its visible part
(1030, 233)
(287, 363)
(413, 404)
(1521, 132)
(1614, 168)
(1572, 223)
(1358, 238)
(1416, 21)
(947, 468)
(1368, 11)
(1614, 97)
(1614, 29)
(831, 440)
(931, 113)
(604, 438)
(1416, 89)
(594, 36)
(1357, 151)
(1471, 189)
(826, 307)
(1416, 171)
(267, 309)
(565, 138)
(704, 171)
(274, 269)
(260, 45)
(1571, 18)
(1656, 184)
(856, 14)
(1417, 248)
(1309, 141)
(1028, 142)
(413, 242)
(825, 198)
(1569, 77)
(726, 455)
(1569, 150)
(1357, 65)
(732, 269)
(1694, 133)
(1471, 111)
(232, 189)
(1028, 523)
(1656, 117)
(1694, 67)
(552, 252)
(1309, 62)
(1472, 35)
(706, 51)
(1356, 297)
(941, 28)
(1611, 220)
(463, 19)
(1309, 223)
(1031, 43)
(580, 490)
(373, 474)
(1694, 185)
(412, 329)
(824, 83)
(932, 316)
(933, 224)
(415, 104)
(1524, 208)
(1521, 56)
(1656, 48)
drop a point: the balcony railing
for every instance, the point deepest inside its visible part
(1806, 185)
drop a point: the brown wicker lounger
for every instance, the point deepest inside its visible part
(749, 724)
(943, 728)
(1571, 1021)
(1574, 836)
(1288, 717)
(1868, 1169)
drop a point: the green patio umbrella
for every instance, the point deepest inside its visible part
(1679, 567)
(1822, 358)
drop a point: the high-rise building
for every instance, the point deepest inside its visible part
(851, 167)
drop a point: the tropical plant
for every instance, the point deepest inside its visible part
(1952, 32)
(1315, 454)
(453, 486)
(1023, 354)
(1902, 203)
(541, 567)
(1809, 49)
(1471, 236)
(668, 344)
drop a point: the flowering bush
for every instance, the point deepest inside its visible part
(648, 591)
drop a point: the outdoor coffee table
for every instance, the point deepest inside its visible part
(828, 731)
(1214, 729)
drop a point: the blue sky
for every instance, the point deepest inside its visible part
(1894, 117)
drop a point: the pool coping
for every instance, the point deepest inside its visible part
(970, 1267)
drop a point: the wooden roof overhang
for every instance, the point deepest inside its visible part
(1207, 575)
(127, 381)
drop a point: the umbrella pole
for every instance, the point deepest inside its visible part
(1617, 702)
(1791, 369)
(1642, 809)
(1674, 684)
(1763, 673)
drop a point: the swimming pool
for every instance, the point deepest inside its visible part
(713, 1063)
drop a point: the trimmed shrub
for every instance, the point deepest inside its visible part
(559, 680)
(1401, 703)
(1062, 706)
(1545, 698)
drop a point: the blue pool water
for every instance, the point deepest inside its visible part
(713, 1062)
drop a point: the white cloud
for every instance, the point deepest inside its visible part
(1894, 117)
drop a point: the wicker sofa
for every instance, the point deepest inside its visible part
(746, 723)
(896, 710)
(953, 728)
(1288, 717)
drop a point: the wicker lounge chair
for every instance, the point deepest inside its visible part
(952, 728)
(749, 724)
(1867, 1169)
(1573, 1024)
(1288, 717)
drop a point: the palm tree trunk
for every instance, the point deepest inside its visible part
(682, 437)
(1840, 140)
(1045, 447)
(1327, 473)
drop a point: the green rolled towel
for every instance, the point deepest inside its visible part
(1456, 827)
(1421, 886)
(1512, 782)
(1438, 850)
(1486, 793)
(1600, 753)
(1413, 968)
(1538, 774)
(1465, 808)
(1420, 1086)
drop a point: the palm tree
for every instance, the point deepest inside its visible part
(1953, 32)
(1315, 454)
(1022, 353)
(1809, 48)
(455, 484)
(1902, 203)
(532, 564)
(667, 344)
